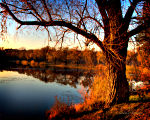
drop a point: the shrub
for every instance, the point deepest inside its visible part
(24, 62)
(33, 63)
(60, 110)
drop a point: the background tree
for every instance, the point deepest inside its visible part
(74, 56)
(88, 57)
(143, 38)
(143, 45)
(92, 19)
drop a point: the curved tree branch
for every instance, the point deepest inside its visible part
(62, 23)
(89, 17)
(138, 30)
(102, 9)
(34, 10)
(128, 15)
(45, 6)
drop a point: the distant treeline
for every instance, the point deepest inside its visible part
(65, 56)
(51, 55)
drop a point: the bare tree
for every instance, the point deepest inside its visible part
(91, 19)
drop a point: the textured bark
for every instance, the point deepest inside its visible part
(111, 86)
(118, 91)
(118, 88)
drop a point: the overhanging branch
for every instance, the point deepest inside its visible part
(90, 36)
(130, 11)
(102, 9)
(137, 30)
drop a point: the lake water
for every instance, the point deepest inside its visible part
(29, 93)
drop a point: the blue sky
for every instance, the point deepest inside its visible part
(29, 38)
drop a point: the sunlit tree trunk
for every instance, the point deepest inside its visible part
(112, 87)
(116, 53)
(118, 88)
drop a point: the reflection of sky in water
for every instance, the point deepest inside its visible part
(24, 94)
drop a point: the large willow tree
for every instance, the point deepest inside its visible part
(107, 23)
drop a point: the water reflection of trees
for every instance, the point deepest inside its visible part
(64, 76)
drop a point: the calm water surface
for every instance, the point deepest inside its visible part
(26, 96)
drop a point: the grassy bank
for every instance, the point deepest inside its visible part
(135, 109)
(125, 111)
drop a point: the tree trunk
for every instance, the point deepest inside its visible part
(111, 86)
(117, 84)
(118, 88)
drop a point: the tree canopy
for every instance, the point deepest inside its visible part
(89, 18)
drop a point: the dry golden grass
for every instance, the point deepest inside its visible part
(137, 98)
(60, 110)
(124, 111)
